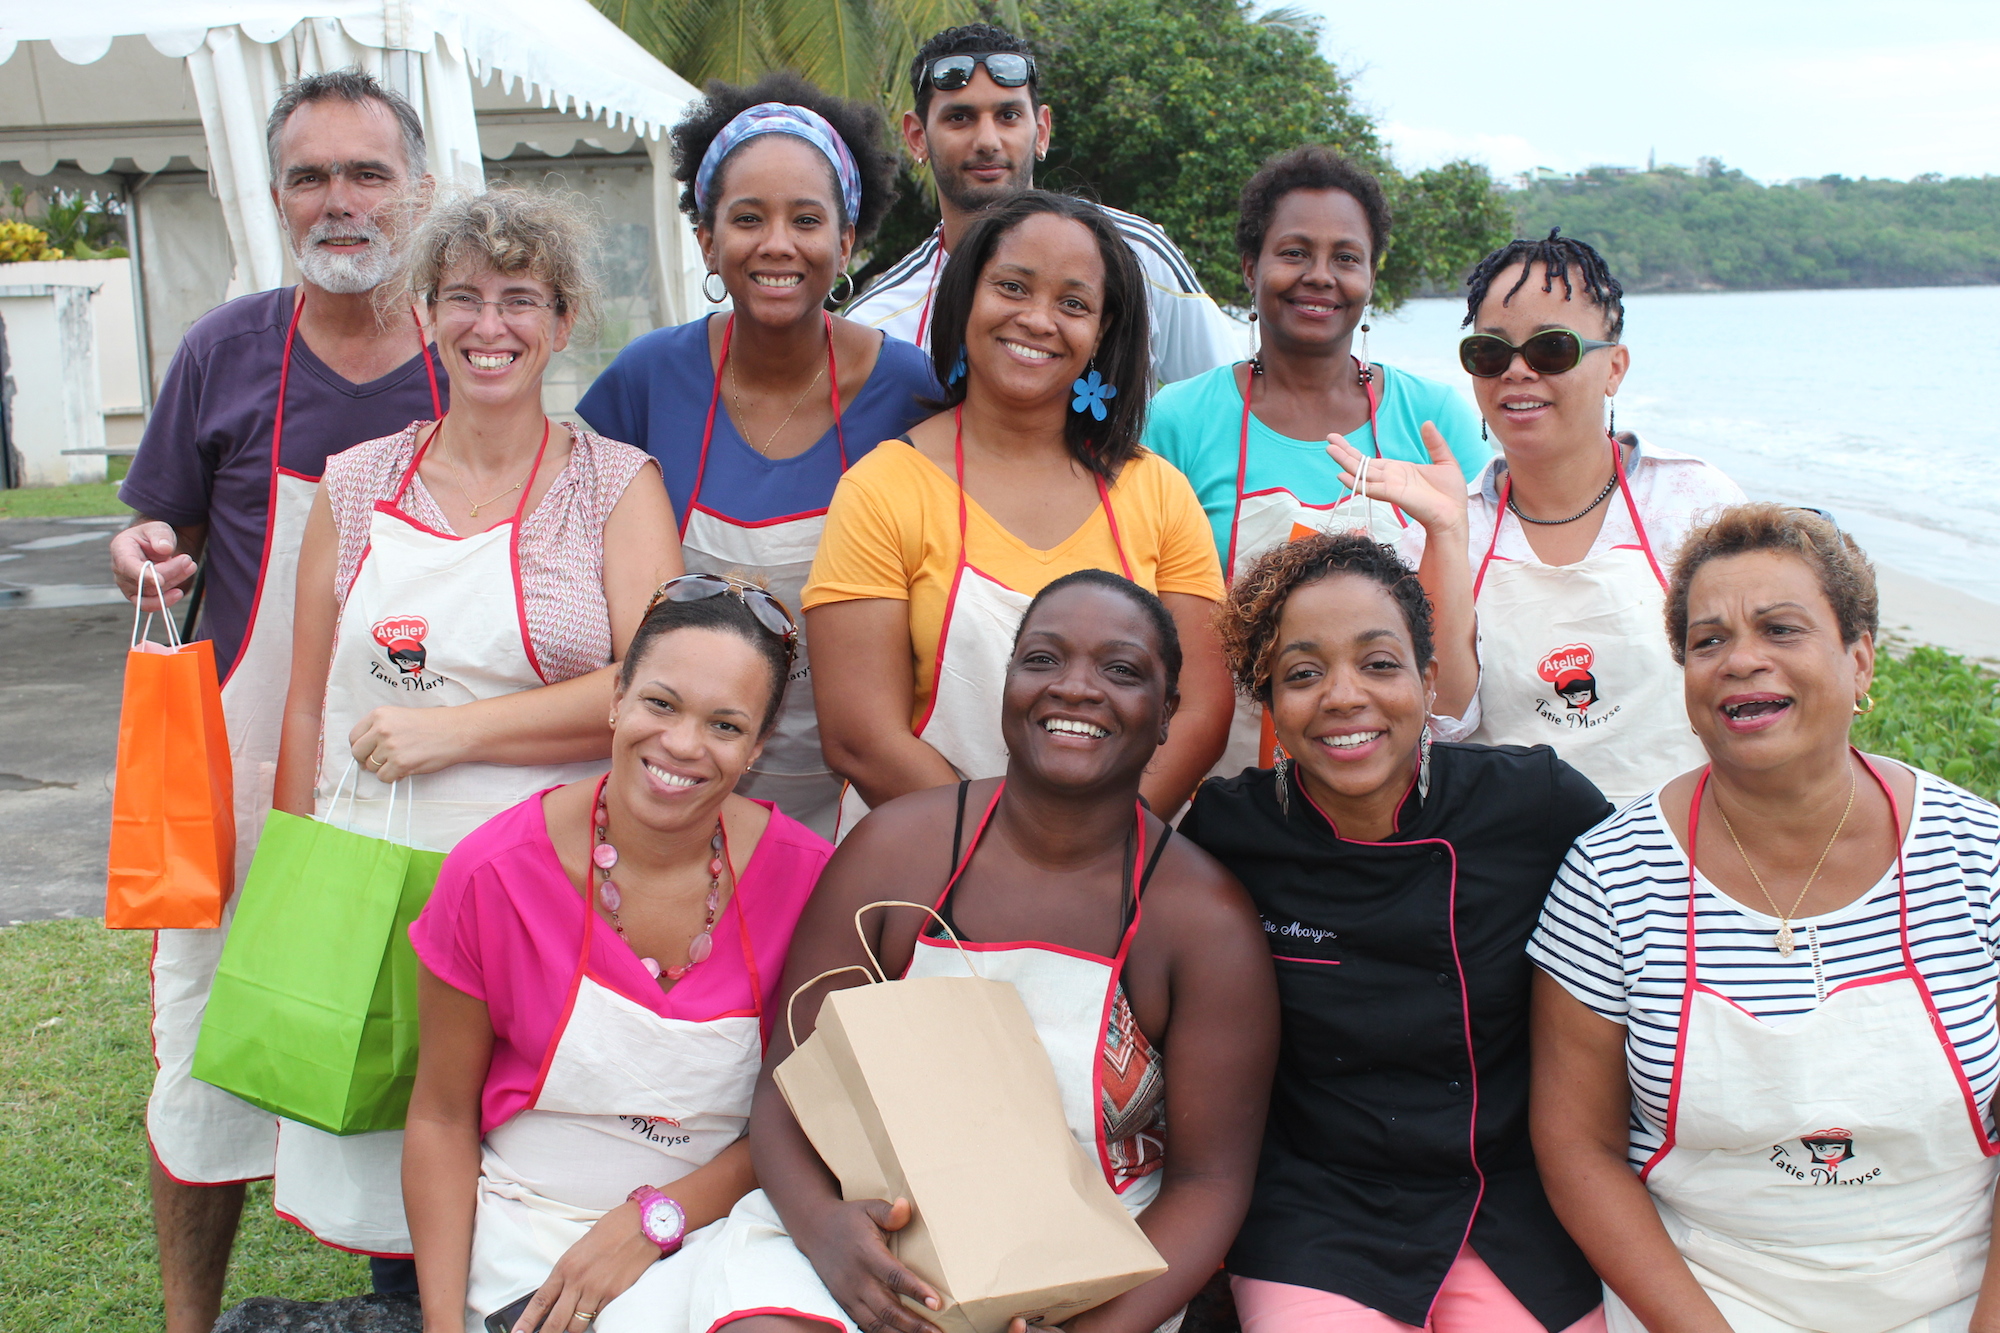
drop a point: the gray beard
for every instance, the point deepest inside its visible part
(346, 275)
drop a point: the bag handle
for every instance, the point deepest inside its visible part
(139, 635)
(388, 816)
(875, 975)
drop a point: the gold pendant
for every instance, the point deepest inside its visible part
(1785, 939)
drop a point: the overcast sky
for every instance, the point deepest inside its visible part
(1779, 88)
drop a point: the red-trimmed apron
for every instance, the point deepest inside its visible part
(791, 771)
(1834, 1173)
(1068, 994)
(201, 1134)
(981, 615)
(430, 620)
(666, 1094)
(1267, 518)
(1576, 656)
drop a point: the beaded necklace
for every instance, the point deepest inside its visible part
(603, 856)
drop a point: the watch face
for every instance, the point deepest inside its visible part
(663, 1220)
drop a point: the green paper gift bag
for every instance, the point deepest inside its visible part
(313, 1015)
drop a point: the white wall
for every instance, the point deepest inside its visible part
(50, 389)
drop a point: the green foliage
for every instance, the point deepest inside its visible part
(79, 226)
(1716, 228)
(1166, 108)
(1937, 712)
(76, 1237)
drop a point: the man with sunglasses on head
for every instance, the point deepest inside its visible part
(981, 127)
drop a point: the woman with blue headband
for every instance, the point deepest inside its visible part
(755, 413)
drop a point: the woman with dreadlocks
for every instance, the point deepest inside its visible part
(1571, 528)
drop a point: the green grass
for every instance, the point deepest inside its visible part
(91, 500)
(76, 1236)
(1940, 713)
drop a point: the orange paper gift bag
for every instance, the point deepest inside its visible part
(173, 811)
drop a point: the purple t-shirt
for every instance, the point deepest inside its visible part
(206, 454)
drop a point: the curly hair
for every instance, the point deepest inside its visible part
(1247, 620)
(1155, 610)
(859, 125)
(1310, 167)
(1124, 347)
(964, 40)
(1555, 253)
(550, 235)
(1845, 574)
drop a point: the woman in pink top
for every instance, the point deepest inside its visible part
(599, 971)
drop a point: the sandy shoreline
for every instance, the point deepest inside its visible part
(1915, 610)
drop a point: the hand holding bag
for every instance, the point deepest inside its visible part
(938, 1090)
(172, 862)
(313, 1015)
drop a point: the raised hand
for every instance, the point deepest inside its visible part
(1432, 493)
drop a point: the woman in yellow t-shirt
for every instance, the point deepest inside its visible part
(935, 543)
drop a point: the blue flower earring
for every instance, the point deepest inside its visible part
(1091, 392)
(957, 368)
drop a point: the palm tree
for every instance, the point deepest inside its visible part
(857, 48)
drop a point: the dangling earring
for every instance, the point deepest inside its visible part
(1282, 771)
(713, 299)
(1424, 763)
(957, 368)
(1482, 429)
(1612, 429)
(1256, 346)
(1365, 375)
(1865, 704)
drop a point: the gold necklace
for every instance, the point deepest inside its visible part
(736, 401)
(1784, 935)
(458, 480)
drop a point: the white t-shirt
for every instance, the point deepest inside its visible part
(1613, 933)
(1190, 335)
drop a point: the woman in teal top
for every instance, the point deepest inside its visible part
(1253, 437)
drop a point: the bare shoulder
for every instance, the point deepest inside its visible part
(1197, 900)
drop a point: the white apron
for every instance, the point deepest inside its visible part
(791, 771)
(748, 1262)
(1575, 656)
(666, 1095)
(1833, 1174)
(429, 621)
(1267, 518)
(201, 1134)
(977, 641)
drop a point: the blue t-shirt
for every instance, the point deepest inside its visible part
(655, 397)
(1196, 423)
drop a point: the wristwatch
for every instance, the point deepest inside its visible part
(661, 1220)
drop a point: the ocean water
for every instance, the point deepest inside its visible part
(1880, 406)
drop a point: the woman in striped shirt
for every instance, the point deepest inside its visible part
(1770, 986)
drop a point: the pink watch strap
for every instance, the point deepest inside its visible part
(669, 1238)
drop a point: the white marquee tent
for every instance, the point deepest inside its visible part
(141, 88)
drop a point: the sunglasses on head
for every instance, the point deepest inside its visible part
(770, 612)
(948, 74)
(1550, 352)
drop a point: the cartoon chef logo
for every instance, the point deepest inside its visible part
(1828, 1148)
(402, 637)
(1567, 670)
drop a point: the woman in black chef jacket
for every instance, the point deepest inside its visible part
(1398, 882)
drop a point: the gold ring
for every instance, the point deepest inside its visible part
(587, 1316)
(378, 763)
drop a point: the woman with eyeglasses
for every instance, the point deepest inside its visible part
(1766, 1046)
(598, 973)
(1253, 437)
(782, 182)
(1570, 529)
(463, 589)
(938, 539)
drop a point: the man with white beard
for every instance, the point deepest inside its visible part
(261, 391)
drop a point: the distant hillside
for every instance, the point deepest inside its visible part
(1714, 228)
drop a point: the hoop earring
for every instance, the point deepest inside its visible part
(713, 299)
(1366, 374)
(848, 295)
(1865, 704)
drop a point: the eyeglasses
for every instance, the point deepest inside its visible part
(514, 309)
(950, 73)
(1550, 352)
(770, 612)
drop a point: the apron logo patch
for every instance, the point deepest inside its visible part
(1825, 1151)
(657, 1129)
(402, 637)
(1567, 671)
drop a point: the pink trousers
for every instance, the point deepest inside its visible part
(1472, 1300)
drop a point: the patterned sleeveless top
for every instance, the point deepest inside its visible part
(561, 541)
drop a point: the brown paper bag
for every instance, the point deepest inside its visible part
(936, 1089)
